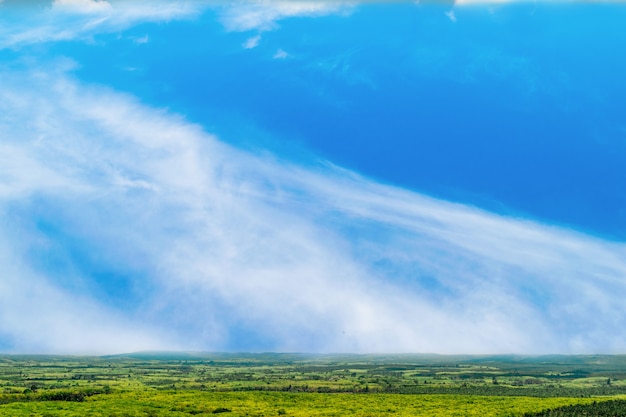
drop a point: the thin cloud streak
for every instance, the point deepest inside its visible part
(69, 20)
(213, 246)
(65, 20)
(264, 14)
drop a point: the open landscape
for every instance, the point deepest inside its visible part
(179, 384)
(180, 178)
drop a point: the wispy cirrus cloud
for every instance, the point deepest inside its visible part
(135, 219)
(252, 42)
(264, 14)
(495, 2)
(170, 237)
(65, 20)
(82, 6)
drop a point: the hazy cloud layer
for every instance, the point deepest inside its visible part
(127, 227)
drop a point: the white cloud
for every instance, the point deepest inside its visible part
(472, 2)
(208, 239)
(142, 40)
(492, 2)
(38, 317)
(82, 19)
(263, 14)
(252, 42)
(82, 6)
(280, 54)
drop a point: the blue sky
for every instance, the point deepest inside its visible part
(312, 176)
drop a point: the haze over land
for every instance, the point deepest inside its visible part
(312, 176)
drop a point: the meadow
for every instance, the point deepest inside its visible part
(183, 384)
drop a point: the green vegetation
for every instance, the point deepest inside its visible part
(613, 408)
(183, 384)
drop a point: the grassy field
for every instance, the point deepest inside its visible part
(178, 403)
(153, 384)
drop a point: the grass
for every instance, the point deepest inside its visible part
(187, 384)
(177, 403)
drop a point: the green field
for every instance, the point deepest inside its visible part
(183, 384)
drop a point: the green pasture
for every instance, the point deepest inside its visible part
(186, 384)
(170, 403)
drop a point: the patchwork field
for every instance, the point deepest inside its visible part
(162, 384)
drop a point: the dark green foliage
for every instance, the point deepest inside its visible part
(62, 396)
(221, 410)
(613, 408)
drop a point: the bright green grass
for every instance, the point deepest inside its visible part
(169, 403)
